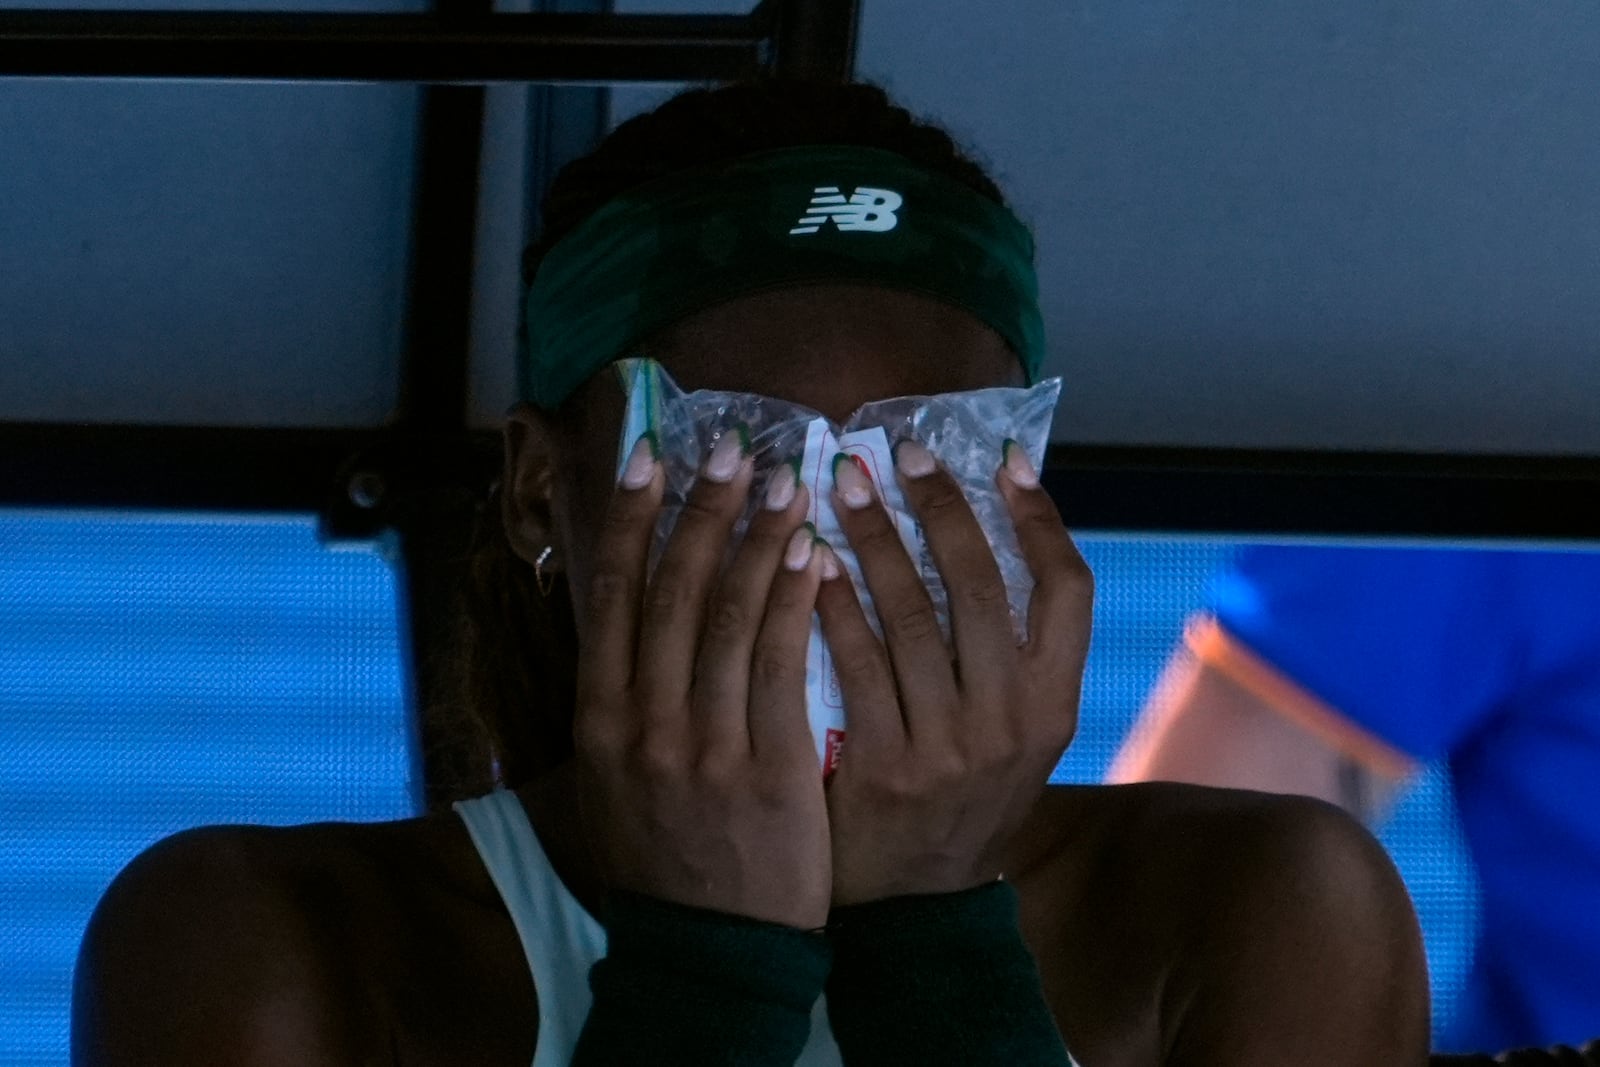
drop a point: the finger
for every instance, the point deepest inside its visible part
(622, 553)
(1062, 604)
(775, 541)
(874, 722)
(675, 601)
(780, 733)
(916, 645)
(980, 615)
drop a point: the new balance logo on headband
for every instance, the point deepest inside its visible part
(869, 210)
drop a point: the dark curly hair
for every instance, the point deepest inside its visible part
(511, 718)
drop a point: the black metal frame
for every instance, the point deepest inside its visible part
(1356, 494)
(349, 473)
(456, 43)
(461, 41)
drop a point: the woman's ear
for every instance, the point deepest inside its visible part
(527, 487)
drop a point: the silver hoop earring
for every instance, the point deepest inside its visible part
(545, 581)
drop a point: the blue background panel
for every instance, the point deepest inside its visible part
(157, 674)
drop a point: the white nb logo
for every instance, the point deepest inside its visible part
(870, 210)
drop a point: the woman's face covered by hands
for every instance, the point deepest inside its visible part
(700, 782)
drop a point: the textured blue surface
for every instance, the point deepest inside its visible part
(159, 673)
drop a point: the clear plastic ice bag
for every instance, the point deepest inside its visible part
(964, 431)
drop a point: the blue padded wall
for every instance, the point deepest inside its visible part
(161, 673)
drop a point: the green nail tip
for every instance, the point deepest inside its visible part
(813, 528)
(794, 464)
(848, 458)
(654, 442)
(744, 437)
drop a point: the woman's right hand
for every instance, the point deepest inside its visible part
(698, 777)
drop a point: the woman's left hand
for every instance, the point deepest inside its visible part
(948, 745)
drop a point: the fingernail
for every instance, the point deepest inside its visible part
(723, 463)
(641, 465)
(851, 482)
(1017, 467)
(780, 491)
(830, 562)
(913, 459)
(798, 554)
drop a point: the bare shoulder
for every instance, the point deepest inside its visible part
(294, 945)
(1235, 927)
(204, 944)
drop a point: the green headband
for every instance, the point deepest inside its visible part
(688, 241)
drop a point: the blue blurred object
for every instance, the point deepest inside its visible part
(1145, 589)
(1489, 660)
(158, 673)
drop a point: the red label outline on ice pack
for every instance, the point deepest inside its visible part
(832, 744)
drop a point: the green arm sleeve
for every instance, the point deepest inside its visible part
(932, 980)
(686, 986)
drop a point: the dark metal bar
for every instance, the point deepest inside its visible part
(434, 522)
(814, 39)
(168, 467)
(439, 47)
(1173, 490)
(433, 371)
(1392, 494)
(181, 468)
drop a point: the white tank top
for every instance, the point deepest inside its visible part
(559, 938)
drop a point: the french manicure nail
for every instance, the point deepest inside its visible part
(851, 482)
(727, 454)
(781, 489)
(913, 459)
(641, 465)
(798, 554)
(1017, 467)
